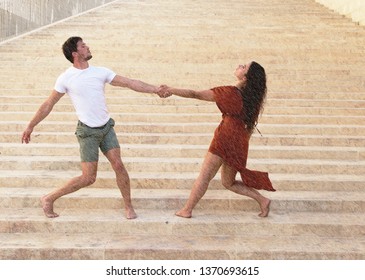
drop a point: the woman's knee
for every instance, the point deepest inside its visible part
(228, 176)
(227, 182)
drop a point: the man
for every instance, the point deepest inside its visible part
(85, 85)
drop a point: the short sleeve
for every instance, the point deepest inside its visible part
(109, 75)
(60, 84)
(228, 99)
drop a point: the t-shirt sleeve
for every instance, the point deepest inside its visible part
(60, 85)
(109, 75)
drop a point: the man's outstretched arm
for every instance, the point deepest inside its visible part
(41, 114)
(135, 85)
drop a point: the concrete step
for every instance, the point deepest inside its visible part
(154, 222)
(191, 117)
(172, 104)
(193, 109)
(179, 180)
(298, 91)
(305, 94)
(312, 143)
(187, 151)
(276, 71)
(195, 138)
(173, 199)
(106, 246)
(190, 127)
(354, 83)
(182, 164)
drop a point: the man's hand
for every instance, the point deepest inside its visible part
(163, 91)
(26, 135)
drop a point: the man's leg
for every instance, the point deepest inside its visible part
(88, 177)
(123, 181)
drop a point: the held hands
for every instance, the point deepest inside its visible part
(163, 91)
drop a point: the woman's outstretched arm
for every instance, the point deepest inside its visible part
(206, 95)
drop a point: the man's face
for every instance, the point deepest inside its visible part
(83, 51)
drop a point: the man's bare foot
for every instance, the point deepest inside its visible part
(265, 208)
(130, 214)
(183, 213)
(47, 207)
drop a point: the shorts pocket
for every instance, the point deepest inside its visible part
(84, 132)
(111, 122)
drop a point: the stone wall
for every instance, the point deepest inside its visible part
(20, 16)
(354, 9)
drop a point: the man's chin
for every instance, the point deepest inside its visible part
(89, 57)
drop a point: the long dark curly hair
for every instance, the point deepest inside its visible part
(253, 94)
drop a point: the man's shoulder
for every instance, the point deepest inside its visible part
(104, 72)
(68, 71)
(100, 68)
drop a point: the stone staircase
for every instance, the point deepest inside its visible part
(312, 143)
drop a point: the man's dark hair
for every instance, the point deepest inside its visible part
(69, 47)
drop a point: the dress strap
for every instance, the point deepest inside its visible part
(258, 130)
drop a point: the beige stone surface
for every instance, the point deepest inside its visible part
(312, 143)
(354, 9)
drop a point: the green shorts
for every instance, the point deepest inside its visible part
(93, 138)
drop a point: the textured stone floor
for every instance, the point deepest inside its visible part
(312, 142)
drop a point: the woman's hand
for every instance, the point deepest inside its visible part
(163, 91)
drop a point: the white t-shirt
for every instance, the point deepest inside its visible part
(86, 89)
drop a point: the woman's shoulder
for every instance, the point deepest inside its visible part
(224, 88)
(228, 98)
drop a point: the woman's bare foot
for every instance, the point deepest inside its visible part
(130, 214)
(265, 208)
(47, 207)
(183, 213)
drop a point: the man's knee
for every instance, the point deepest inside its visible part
(118, 166)
(89, 179)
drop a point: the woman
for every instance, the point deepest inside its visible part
(240, 106)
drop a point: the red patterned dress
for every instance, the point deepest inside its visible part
(231, 138)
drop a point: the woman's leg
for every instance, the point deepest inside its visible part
(209, 169)
(228, 176)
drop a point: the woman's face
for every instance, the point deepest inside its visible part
(241, 71)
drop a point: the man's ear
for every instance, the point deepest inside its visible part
(74, 55)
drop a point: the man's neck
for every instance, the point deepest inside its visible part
(81, 65)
